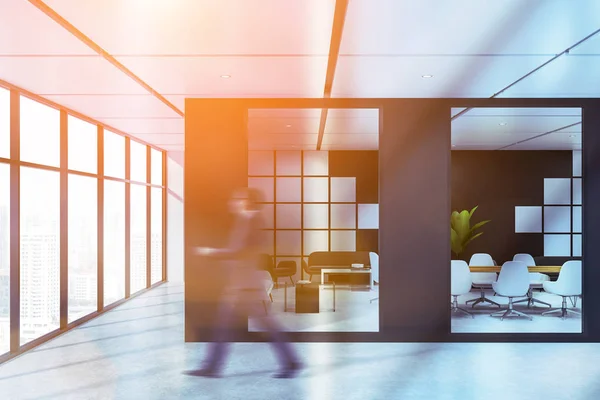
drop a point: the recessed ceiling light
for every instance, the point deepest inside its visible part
(426, 76)
(453, 145)
(571, 135)
(288, 126)
(502, 123)
(225, 76)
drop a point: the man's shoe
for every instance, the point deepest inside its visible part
(290, 371)
(205, 372)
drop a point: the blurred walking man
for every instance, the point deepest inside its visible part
(245, 289)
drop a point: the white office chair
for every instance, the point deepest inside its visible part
(374, 259)
(513, 281)
(268, 286)
(568, 284)
(482, 280)
(460, 283)
(536, 280)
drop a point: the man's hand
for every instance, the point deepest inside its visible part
(203, 251)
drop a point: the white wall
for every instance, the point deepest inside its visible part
(175, 216)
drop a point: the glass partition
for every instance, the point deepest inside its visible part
(320, 212)
(516, 221)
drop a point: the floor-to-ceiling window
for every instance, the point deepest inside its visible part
(82, 218)
(114, 217)
(156, 209)
(138, 208)
(63, 213)
(4, 257)
(4, 221)
(39, 217)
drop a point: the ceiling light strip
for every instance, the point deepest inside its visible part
(540, 135)
(339, 19)
(566, 51)
(91, 44)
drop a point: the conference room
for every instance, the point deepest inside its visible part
(516, 223)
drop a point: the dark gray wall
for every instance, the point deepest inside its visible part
(414, 194)
(414, 159)
(216, 162)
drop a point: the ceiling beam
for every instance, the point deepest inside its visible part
(43, 7)
(339, 19)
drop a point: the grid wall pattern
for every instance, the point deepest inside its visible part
(305, 210)
(559, 219)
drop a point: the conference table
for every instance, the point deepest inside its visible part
(544, 269)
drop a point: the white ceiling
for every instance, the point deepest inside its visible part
(517, 129)
(274, 48)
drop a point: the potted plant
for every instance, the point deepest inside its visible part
(461, 231)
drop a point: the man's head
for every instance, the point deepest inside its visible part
(245, 199)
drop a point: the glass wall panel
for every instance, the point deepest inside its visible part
(39, 133)
(4, 258)
(528, 220)
(156, 167)
(316, 163)
(114, 241)
(138, 162)
(260, 163)
(319, 205)
(114, 155)
(289, 163)
(40, 252)
(83, 246)
(138, 238)
(4, 123)
(156, 235)
(83, 145)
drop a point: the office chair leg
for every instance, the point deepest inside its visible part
(292, 281)
(530, 300)
(265, 306)
(563, 310)
(481, 299)
(574, 301)
(271, 297)
(510, 311)
(456, 308)
(372, 300)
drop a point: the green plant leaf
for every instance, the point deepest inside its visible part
(472, 238)
(454, 217)
(479, 225)
(455, 244)
(461, 232)
(463, 227)
(472, 211)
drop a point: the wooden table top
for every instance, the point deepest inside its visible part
(538, 268)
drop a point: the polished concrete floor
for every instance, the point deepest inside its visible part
(137, 352)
